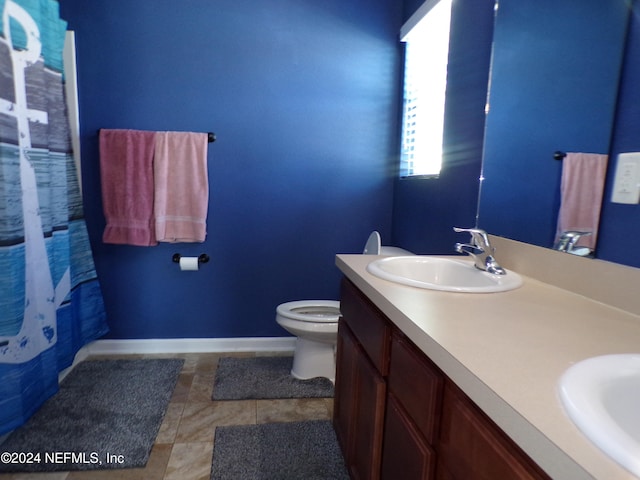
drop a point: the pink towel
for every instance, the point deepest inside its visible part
(126, 166)
(181, 186)
(582, 186)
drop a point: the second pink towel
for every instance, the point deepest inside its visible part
(181, 186)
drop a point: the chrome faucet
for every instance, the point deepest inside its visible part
(567, 243)
(480, 249)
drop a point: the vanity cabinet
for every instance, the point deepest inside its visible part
(397, 415)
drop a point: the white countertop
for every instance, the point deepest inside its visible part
(507, 351)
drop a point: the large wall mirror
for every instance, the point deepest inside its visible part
(554, 86)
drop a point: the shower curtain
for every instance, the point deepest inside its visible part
(50, 299)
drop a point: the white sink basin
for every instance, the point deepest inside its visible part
(602, 397)
(437, 273)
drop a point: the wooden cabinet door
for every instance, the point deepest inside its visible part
(405, 452)
(417, 385)
(472, 447)
(358, 416)
(366, 437)
(345, 392)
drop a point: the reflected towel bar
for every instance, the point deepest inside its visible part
(211, 137)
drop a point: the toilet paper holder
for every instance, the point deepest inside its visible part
(203, 258)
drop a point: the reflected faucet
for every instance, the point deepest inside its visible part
(567, 243)
(480, 249)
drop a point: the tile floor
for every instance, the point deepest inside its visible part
(184, 447)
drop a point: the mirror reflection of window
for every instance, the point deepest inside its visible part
(426, 35)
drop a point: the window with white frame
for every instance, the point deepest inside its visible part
(426, 35)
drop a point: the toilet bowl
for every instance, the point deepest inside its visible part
(315, 324)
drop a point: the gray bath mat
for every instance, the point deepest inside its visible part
(106, 415)
(264, 377)
(283, 451)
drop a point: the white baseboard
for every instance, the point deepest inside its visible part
(182, 345)
(191, 345)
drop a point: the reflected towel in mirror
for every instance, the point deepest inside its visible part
(582, 187)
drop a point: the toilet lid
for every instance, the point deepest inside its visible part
(372, 247)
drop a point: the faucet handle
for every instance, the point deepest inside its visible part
(478, 236)
(575, 234)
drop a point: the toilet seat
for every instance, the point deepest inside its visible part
(314, 311)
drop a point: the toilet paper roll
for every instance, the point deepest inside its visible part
(188, 263)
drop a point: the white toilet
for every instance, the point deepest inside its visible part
(315, 324)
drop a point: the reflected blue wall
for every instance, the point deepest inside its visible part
(620, 224)
(554, 87)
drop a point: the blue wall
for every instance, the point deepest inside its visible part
(426, 210)
(303, 97)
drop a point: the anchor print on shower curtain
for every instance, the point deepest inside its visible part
(39, 322)
(50, 299)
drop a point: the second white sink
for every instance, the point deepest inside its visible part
(437, 273)
(602, 397)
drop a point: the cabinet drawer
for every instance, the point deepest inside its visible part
(417, 384)
(368, 325)
(472, 447)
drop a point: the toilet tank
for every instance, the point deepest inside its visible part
(374, 247)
